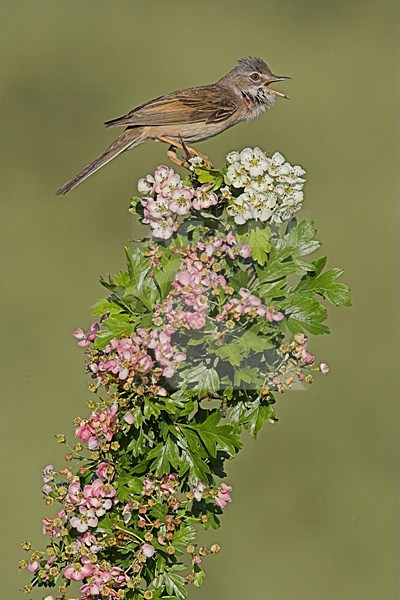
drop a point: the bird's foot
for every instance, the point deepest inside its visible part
(189, 152)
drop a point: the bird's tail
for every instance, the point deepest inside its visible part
(128, 139)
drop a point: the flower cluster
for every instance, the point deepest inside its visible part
(127, 360)
(167, 198)
(92, 502)
(224, 495)
(221, 495)
(295, 359)
(272, 188)
(103, 582)
(249, 305)
(189, 301)
(101, 426)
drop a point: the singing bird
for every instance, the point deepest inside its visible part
(192, 114)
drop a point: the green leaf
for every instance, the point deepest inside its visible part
(304, 312)
(281, 264)
(198, 576)
(213, 176)
(241, 346)
(106, 307)
(230, 352)
(300, 239)
(165, 455)
(325, 284)
(118, 326)
(215, 437)
(252, 415)
(191, 464)
(174, 583)
(250, 341)
(249, 375)
(184, 536)
(204, 378)
(165, 274)
(136, 445)
(259, 241)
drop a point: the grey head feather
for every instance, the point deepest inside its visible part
(253, 63)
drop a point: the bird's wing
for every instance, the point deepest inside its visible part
(209, 104)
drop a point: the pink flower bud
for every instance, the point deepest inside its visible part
(128, 418)
(324, 368)
(148, 550)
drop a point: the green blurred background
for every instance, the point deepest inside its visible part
(314, 514)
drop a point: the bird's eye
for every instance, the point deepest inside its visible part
(255, 76)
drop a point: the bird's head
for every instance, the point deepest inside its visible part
(252, 77)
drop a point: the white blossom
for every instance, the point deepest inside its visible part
(254, 160)
(237, 175)
(272, 188)
(196, 162)
(233, 157)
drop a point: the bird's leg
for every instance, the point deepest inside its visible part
(173, 157)
(187, 149)
(184, 148)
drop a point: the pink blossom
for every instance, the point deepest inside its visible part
(164, 229)
(196, 560)
(146, 185)
(33, 566)
(195, 320)
(78, 571)
(165, 487)
(308, 358)
(162, 173)
(230, 238)
(273, 315)
(53, 526)
(184, 278)
(181, 200)
(223, 498)
(245, 251)
(104, 470)
(148, 550)
(101, 425)
(165, 180)
(203, 198)
(324, 368)
(101, 578)
(155, 210)
(87, 518)
(86, 338)
(74, 495)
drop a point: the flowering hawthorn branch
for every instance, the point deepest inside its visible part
(208, 323)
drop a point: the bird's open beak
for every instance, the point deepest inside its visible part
(273, 79)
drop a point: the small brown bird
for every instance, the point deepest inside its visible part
(192, 114)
